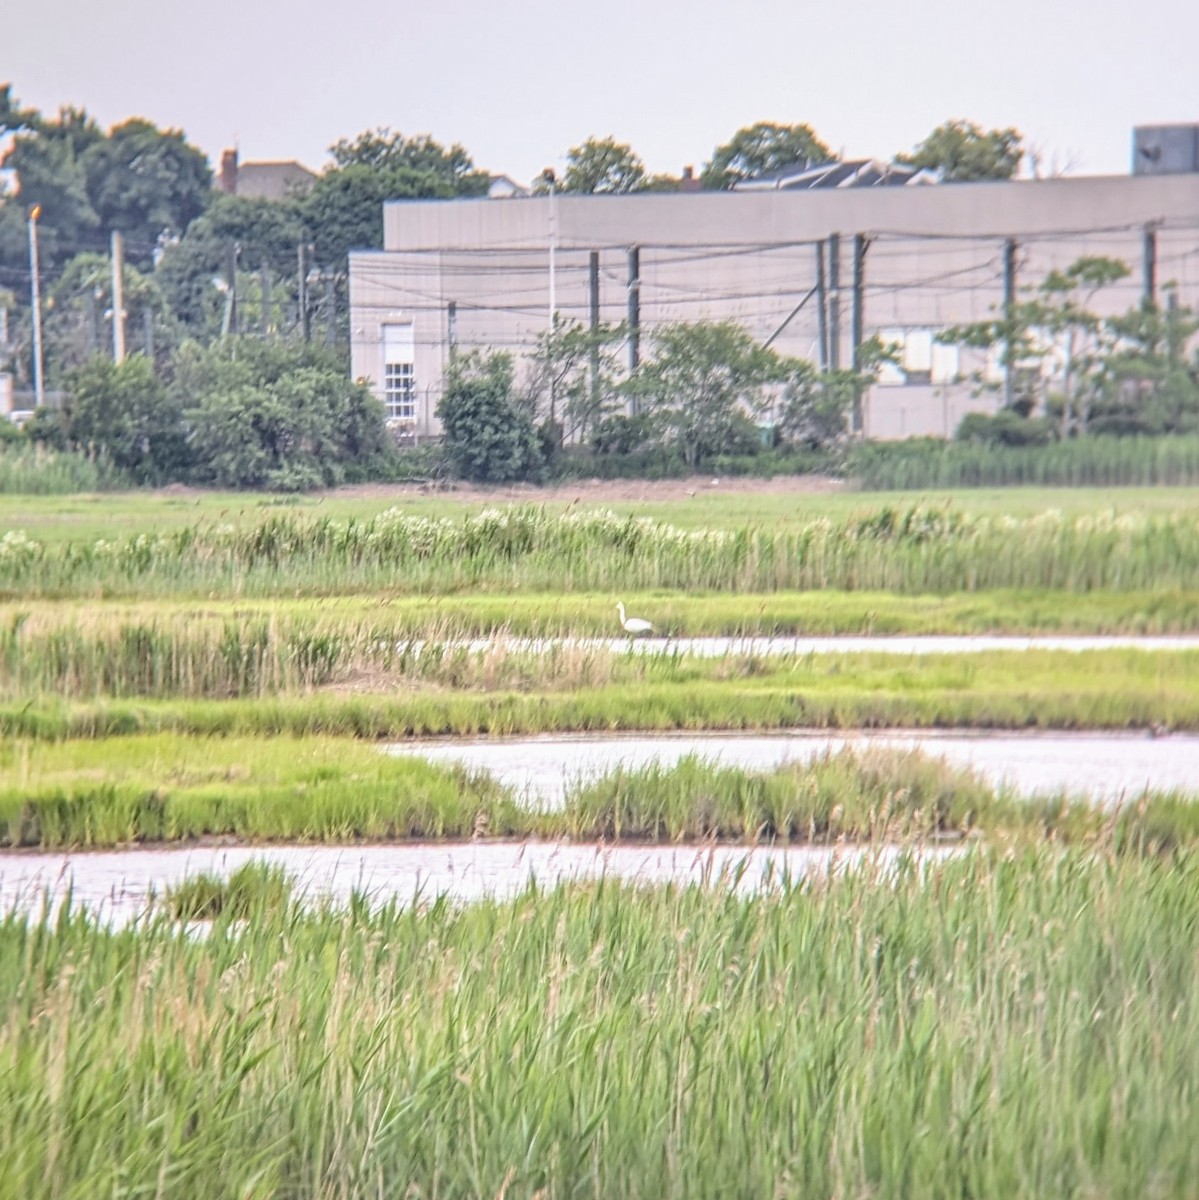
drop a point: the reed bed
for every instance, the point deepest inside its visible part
(503, 692)
(1083, 462)
(1016, 1024)
(38, 471)
(169, 789)
(163, 789)
(909, 550)
(180, 647)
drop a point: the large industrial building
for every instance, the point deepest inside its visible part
(812, 261)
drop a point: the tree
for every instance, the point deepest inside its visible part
(124, 411)
(1146, 383)
(271, 415)
(78, 320)
(145, 182)
(137, 179)
(488, 436)
(760, 148)
(1055, 322)
(817, 404)
(385, 150)
(961, 152)
(573, 380)
(256, 231)
(603, 166)
(704, 378)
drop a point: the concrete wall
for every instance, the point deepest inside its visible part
(935, 258)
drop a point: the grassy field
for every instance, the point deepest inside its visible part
(1016, 1024)
(86, 517)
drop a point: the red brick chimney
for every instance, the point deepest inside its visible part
(689, 183)
(227, 180)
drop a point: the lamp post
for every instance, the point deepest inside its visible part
(548, 176)
(36, 288)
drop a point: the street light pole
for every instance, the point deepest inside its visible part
(548, 176)
(36, 288)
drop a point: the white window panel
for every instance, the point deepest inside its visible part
(946, 363)
(399, 372)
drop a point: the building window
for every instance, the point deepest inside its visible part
(399, 373)
(920, 359)
(399, 391)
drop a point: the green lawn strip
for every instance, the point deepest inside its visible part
(169, 788)
(90, 516)
(1106, 690)
(556, 614)
(1019, 1024)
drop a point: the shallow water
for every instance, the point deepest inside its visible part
(118, 885)
(1102, 767)
(720, 647)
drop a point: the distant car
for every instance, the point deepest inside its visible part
(19, 416)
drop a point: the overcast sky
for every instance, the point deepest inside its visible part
(519, 83)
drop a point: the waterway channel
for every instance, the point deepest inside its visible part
(1102, 767)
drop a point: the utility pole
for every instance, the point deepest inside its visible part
(39, 391)
(452, 322)
(593, 295)
(1149, 268)
(234, 315)
(855, 323)
(302, 291)
(330, 310)
(834, 301)
(264, 276)
(821, 307)
(148, 332)
(118, 297)
(634, 316)
(1009, 320)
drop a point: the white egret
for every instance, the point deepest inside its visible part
(633, 625)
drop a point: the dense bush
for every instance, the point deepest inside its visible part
(489, 438)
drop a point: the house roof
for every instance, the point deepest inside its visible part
(863, 172)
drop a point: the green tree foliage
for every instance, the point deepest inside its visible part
(256, 231)
(703, 380)
(817, 405)
(270, 415)
(49, 161)
(1147, 383)
(1054, 322)
(145, 182)
(78, 319)
(761, 148)
(603, 166)
(123, 411)
(489, 436)
(136, 178)
(574, 377)
(961, 151)
(343, 210)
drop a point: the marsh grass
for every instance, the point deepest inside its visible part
(913, 550)
(149, 790)
(1081, 462)
(246, 894)
(1017, 1023)
(165, 789)
(503, 692)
